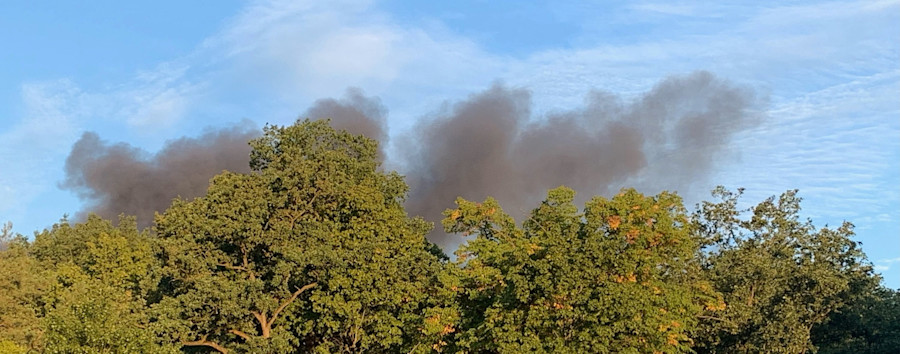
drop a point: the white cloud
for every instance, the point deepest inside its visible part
(33, 144)
(835, 145)
(884, 265)
(317, 49)
(34, 147)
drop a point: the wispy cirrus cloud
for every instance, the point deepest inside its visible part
(884, 265)
(32, 144)
(836, 145)
(319, 49)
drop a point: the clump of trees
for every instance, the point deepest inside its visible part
(313, 252)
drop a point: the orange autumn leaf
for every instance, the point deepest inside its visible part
(631, 236)
(448, 329)
(672, 339)
(614, 221)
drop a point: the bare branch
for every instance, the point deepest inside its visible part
(291, 299)
(261, 318)
(240, 333)
(202, 342)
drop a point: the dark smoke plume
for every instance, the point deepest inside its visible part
(120, 178)
(489, 145)
(355, 113)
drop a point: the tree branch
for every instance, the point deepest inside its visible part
(261, 318)
(309, 205)
(288, 301)
(264, 327)
(232, 267)
(245, 267)
(240, 333)
(306, 208)
(752, 291)
(202, 342)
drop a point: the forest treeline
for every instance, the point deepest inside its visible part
(313, 251)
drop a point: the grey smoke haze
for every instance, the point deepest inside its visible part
(487, 145)
(355, 113)
(490, 145)
(120, 178)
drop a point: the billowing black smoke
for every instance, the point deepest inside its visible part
(491, 145)
(355, 113)
(487, 145)
(120, 178)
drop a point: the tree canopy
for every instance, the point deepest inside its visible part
(313, 251)
(618, 277)
(781, 276)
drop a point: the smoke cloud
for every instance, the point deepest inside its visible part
(355, 113)
(120, 178)
(490, 145)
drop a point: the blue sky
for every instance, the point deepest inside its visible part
(146, 72)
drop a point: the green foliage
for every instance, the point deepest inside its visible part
(312, 252)
(10, 347)
(779, 275)
(92, 317)
(119, 256)
(88, 284)
(617, 278)
(871, 324)
(23, 284)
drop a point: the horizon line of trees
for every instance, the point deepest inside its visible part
(313, 252)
